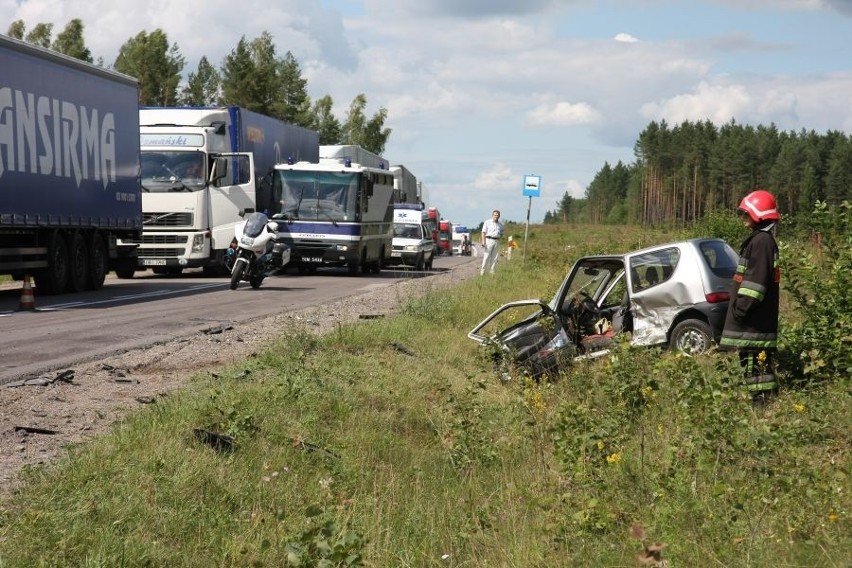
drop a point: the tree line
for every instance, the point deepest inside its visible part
(252, 76)
(685, 172)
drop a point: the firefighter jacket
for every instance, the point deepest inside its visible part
(752, 319)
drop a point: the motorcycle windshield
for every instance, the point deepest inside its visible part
(255, 224)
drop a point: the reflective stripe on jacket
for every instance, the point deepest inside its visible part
(752, 319)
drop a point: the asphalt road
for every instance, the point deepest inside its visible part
(149, 309)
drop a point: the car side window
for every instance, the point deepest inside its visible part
(720, 258)
(650, 269)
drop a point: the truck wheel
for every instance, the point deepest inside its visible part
(124, 273)
(419, 264)
(54, 278)
(78, 275)
(98, 263)
(380, 263)
(218, 268)
(692, 337)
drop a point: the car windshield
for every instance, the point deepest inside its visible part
(407, 231)
(591, 278)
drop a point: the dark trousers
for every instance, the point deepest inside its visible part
(758, 367)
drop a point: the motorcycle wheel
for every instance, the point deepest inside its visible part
(256, 281)
(237, 274)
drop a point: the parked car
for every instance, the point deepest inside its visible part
(673, 295)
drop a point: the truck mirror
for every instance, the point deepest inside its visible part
(220, 168)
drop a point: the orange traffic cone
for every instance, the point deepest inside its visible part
(27, 298)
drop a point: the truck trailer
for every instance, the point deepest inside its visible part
(405, 186)
(70, 205)
(202, 166)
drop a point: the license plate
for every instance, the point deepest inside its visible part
(313, 259)
(153, 262)
(396, 253)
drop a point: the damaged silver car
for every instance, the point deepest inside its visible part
(673, 295)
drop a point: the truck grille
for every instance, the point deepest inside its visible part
(167, 219)
(316, 249)
(160, 252)
(164, 239)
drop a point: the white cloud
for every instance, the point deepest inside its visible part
(499, 177)
(625, 38)
(717, 103)
(563, 114)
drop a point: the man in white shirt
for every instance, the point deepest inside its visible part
(492, 230)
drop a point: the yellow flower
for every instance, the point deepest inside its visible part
(660, 428)
(833, 517)
(799, 407)
(537, 402)
(614, 458)
(600, 445)
(761, 356)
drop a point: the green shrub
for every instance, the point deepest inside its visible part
(816, 340)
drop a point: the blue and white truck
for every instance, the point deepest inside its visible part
(201, 166)
(337, 213)
(69, 169)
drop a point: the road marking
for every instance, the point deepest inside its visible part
(115, 299)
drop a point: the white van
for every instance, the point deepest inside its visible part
(412, 241)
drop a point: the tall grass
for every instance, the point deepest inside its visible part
(394, 443)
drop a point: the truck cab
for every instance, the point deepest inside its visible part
(445, 237)
(461, 240)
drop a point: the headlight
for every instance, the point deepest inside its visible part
(198, 243)
(411, 248)
(343, 248)
(246, 241)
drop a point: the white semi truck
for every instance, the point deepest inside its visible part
(201, 166)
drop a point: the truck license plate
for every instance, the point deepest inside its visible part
(314, 259)
(153, 262)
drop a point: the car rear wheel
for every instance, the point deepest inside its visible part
(692, 336)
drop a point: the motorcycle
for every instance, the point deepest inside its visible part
(256, 250)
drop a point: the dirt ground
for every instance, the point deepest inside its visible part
(72, 405)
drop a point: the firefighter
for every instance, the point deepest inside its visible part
(751, 324)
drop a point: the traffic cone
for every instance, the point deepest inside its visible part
(27, 298)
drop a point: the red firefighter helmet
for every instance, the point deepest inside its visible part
(760, 206)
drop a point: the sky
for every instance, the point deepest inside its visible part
(481, 94)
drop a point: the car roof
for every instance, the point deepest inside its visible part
(679, 244)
